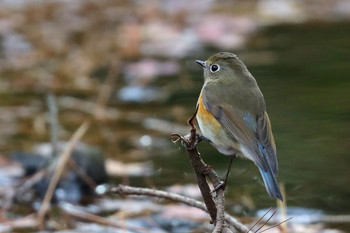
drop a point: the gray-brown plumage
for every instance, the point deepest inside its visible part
(232, 114)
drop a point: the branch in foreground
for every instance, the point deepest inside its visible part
(215, 205)
(59, 170)
(216, 208)
(128, 190)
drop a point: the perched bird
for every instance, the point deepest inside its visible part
(231, 113)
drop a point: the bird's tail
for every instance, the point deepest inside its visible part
(271, 183)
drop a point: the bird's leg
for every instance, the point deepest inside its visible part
(224, 183)
(194, 138)
(229, 168)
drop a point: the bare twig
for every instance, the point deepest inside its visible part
(197, 164)
(128, 190)
(28, 183)
(59, 170)
(274, 212)
(260, 219)
(54, 127)
(276, 225)
(220, 214)
(19, 224)
(82, 174)
(216, 209)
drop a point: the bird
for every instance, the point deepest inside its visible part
(231, 114)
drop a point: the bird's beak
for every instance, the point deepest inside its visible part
(202, 63)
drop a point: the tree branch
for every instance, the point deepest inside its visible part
(128, 190)
(59, 170)
(197, 164)
(215, 206)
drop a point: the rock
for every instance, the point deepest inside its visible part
(30, 162)
(71, 187)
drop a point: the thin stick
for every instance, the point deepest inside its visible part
(82, 174)
(260, 219)
(276, 225)
(59, 170)
(274, 212)
(28, 183)
(220, 214)
(216, 209)
(196, 163)
(128, 190)
(201, 169)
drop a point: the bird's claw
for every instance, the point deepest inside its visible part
(186, 140)
(174, 137)
(221, 185)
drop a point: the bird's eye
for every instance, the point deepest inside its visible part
(214, 68)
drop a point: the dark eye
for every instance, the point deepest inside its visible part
(214, 68)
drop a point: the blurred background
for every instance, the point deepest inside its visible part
(129, 67)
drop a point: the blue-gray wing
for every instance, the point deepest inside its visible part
(252, 131)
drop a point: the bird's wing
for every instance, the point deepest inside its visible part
(252, 131)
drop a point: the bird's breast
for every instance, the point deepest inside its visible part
(207, 122)
(213, 130)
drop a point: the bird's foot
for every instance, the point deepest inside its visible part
(187, 140)
(221, 185)
(199, 138)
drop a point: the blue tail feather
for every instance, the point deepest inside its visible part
(271, 183)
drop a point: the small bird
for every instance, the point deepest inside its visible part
(231, 113)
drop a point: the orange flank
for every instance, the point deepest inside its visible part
(206, 117)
